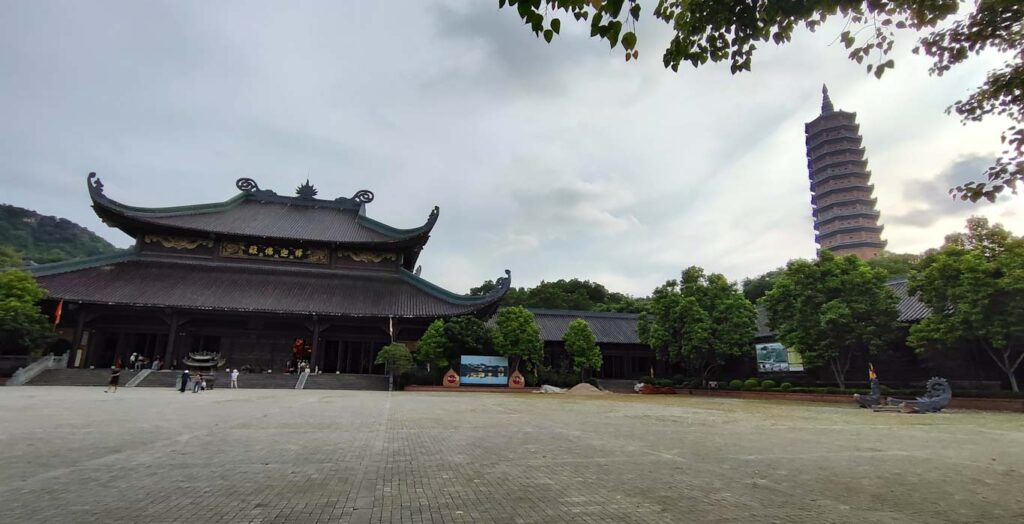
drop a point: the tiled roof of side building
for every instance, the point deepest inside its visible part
(143, 281)
(608, 328)
(909, 307)
(263, 214)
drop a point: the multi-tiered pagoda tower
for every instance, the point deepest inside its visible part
(845, 214)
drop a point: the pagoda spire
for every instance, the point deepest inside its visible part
(826, 102)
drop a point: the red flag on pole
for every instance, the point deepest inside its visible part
(56, 314)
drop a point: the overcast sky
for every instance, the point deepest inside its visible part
(555, 161)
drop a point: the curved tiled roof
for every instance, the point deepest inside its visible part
(262, 214)
(608, 328)
(143, 281)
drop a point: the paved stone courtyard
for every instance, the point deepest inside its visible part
(143, 455)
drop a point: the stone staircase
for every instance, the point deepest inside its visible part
(168, 379)
(78, 377)
(347, 381)
(259, 381)
(161, 379)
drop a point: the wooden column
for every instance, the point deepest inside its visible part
(314, 356)
(172, 336)
(76, 340)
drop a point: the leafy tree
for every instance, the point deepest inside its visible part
(517, 337)
(575, 294)
(9, 258)
(831, 309)
(396, 357)
(466, 335)
(759, 286)
(700, 320)
(730, 31)
(895, 264)
(582, 347)
(23, 327)
(432, 346)
(974, 286)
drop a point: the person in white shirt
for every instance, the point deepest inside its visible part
(234, 379)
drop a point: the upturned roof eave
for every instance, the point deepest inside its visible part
(134, 219)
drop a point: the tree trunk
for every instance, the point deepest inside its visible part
(1004, 364)
(838, 373)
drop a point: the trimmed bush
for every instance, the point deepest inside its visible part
(735, 384)
(751, 384)
(786, 386)
(769, 384)
(646, 379)
(663, 383)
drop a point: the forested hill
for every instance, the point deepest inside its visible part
(41, 239)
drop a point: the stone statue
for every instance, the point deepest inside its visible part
(936, 397)
(875, 398)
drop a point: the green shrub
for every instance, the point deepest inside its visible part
(680, 380)
(562, 380)
(735, 384)
(751, 384)
(769, 384)
(786, 386)
(646, 379)
(663, 383)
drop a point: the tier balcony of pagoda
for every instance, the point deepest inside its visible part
(879, 244)
(828, 120)
(847, 144)
(867, 203)
(847, 166)
(863, 228)
(840, 157)
(839, 189)
(828, 218)
(859, 173)
(831, 134)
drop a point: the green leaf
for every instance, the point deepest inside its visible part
(629, 41)
(556, 25)
(635, 11)
(613, 33)
(548, 34)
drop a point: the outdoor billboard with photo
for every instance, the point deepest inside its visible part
(478, 369)
(774, 357)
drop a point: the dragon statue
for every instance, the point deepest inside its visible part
(936, 397)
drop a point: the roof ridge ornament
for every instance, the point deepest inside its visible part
(306, 191)
(826, 102)
(94, 183)
(248, 185)
(363, 196)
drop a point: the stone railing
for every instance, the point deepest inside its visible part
(31, 371)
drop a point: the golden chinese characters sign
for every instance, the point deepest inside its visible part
(268, 251)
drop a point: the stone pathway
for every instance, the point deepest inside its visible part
(149, 455)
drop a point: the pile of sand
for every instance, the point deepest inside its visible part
(585, 389)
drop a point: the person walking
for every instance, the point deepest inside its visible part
(184, 381)
(234, 379)
(115, 378)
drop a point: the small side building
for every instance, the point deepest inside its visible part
(625, 356)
